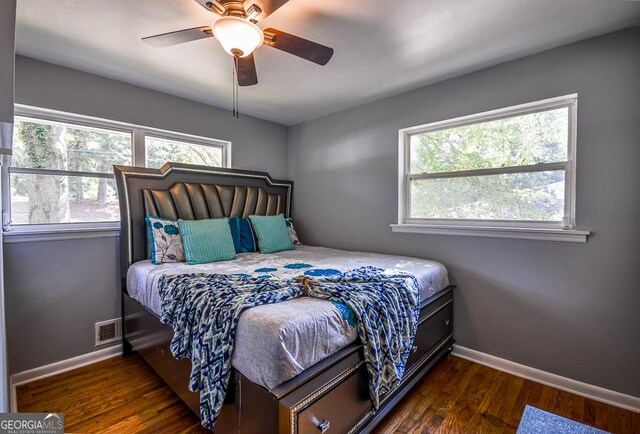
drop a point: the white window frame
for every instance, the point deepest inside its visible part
(558, 231)
(72, 230)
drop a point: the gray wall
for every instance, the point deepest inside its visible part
(7, 46)
(57, 290)
(570, 309)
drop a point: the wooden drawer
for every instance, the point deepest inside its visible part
(436, 322)
(333, 401)
(340, 409)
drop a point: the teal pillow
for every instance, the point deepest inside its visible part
(272, 232)
(244, 239)
(207, 240)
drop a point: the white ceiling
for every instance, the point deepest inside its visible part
(382, 47)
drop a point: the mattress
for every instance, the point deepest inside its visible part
(276, 342)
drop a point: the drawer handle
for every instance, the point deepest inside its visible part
(324, 426)
(446, 322)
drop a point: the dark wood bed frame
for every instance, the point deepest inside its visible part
(331, 396)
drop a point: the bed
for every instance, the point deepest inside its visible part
(298, 365)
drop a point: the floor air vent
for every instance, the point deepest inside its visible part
(108, 331)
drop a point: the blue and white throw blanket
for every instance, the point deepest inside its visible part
(204, 309)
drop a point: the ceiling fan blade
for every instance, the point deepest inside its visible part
(247, 74)
(268, 6)
(178, 37)
(298, 46)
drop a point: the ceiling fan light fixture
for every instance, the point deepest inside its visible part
(237, 36)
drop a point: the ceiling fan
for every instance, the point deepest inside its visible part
(237, 32)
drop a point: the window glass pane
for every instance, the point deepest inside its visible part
(533, 196)
(52, 145)
(39, 199)
(160, 151)
(515, 141)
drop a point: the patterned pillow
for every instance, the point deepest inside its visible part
(165, 241)
(292, 232)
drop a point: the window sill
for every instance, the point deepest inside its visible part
(57, 233)
(571, 236)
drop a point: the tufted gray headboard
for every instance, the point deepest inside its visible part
(192, 193)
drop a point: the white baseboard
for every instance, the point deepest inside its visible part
(58, 368)
(563, 383)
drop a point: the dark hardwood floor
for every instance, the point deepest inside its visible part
(459, 396)
(123, 395)
(119, 395)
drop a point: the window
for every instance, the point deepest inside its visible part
(160, 150)
(61, 170)
(510, 168)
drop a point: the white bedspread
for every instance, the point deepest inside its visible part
(274, 343)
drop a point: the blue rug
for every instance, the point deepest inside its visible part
(536, 421)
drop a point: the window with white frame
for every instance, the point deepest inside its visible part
(159, 150)
(513, 167)
(63, 172)
(62, 165)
